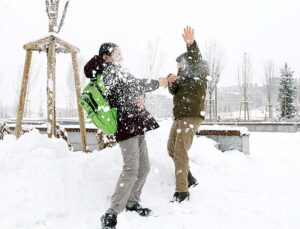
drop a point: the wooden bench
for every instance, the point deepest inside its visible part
(227, 137)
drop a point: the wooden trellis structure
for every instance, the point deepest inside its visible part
(244, 107)
(51, 45)
(269, 112)
(210, 109)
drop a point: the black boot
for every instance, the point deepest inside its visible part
(108, 221)
(192, 182)
(180, 196)
(139, 209)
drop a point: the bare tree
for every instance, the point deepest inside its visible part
(214, 55)
(70, 92)
(71, 103)
(244, 80)
(269, 75)
(154, 59)
(42, 96)
(35, 71)
(52, 12)
(51, 45)
(4, 129)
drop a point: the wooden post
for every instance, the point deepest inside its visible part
(52, 45)
(245, 111)
(240, 110)
(210, 108)
(20, 110)
(245, 106)
(216, 102)
(78, 94)
(51, 125)
(210, 111)
(270, 111)
(54, 92)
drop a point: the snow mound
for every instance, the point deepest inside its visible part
(44, 185)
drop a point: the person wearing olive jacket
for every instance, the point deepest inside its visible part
(126, 93)
(188, 92)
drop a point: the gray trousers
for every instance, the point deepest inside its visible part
(133, 177)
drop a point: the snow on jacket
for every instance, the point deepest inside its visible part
(189, 89)
(123, 89)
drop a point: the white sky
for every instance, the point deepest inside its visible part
(265, 29)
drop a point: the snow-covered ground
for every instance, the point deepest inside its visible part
(44, 186)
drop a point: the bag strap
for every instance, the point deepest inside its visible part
(91, 101)
(101, 89)
(99, 84)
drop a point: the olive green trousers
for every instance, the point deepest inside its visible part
(180, 141)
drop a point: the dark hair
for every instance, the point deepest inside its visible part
(182, 57)
(107, 48)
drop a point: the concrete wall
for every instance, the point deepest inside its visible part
(75, 140)
(263, 127)
(225, 143)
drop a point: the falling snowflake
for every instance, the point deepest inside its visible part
(50, 84)
(178, 131)
(179, 172)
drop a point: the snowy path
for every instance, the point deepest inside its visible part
(45, 186)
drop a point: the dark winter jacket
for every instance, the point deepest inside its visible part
(123, 89)
(189, 89)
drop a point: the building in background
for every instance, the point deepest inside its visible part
(229, 99)
(160, 106)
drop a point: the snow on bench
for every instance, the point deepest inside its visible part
(227, 137)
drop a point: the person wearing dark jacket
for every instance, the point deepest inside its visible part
(126, 93)
(188, 92)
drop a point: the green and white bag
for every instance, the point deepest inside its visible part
(93, 101)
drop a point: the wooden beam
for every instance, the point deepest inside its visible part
(79, 108)
(51, 90)
(20, 111)
(60, 49)
(67, 45)
(42, 45)
(35, 45)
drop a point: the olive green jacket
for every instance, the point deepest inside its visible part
(189, 89)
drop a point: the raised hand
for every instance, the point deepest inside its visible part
(188, 35)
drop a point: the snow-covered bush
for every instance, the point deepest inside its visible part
(4, 129)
